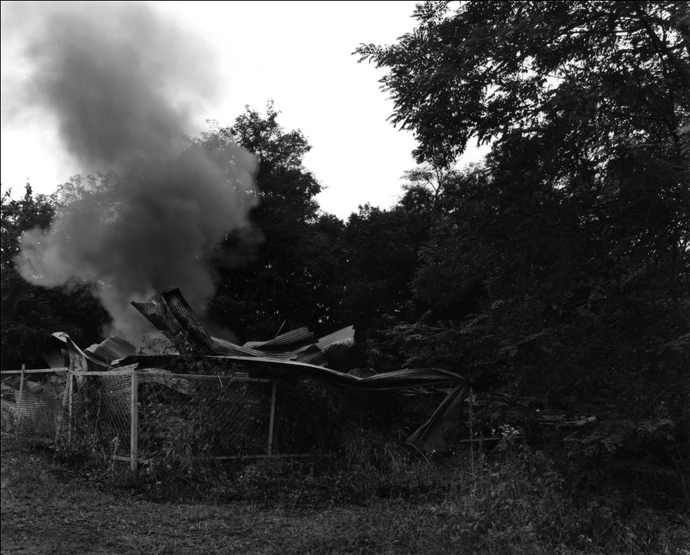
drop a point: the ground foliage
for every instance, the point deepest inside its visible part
(379, 498)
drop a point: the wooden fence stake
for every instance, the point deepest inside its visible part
(134, 430)
(273, 412)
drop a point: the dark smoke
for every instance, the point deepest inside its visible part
(121, 83)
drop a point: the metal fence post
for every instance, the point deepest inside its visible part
(20, 399)
(65, 400)
(471, 426)
(134, 430)
(70, 423)
(273, 412)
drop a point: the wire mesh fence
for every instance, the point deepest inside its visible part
(203, 416)
(144, 415)
(171, 415)
(96, 415)
(32, 403)
(147, 415)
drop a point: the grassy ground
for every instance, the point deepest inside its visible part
(515, 506)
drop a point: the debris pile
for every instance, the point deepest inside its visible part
(294, 355)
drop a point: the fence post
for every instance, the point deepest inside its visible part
(471, 423)
(273, 412)
(65, 400)
(134, 430)
(70, 423)
(20, 399)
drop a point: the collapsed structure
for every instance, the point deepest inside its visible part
(170, 383)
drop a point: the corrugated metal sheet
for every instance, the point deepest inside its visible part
(83, 361)
(170, 312)
(224, 347)
(340, 335)
(228, 348)
(288, 341)
(311, 354)
(340, 354)
(156, 311)
(185, 315)
(112, 348)
(56, 358)
(272, 368)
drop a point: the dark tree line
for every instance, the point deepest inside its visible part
(554, 275)
(558, 272)
(30, 313)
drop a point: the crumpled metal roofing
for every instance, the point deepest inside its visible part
(93, 358)
(271, 368)
(301, 337)
(112, 348)
(84, 361)
(292, 355)
(170, 312)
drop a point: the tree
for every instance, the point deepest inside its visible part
(281, 274)
(381, 258)
(576, 230)
(30, 314)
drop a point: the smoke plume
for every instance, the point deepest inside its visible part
(122, 84)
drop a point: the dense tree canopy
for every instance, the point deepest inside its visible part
(571, 244)
(282, 274)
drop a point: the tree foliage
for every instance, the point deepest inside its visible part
(281, 273)
(559, 270)
(31, 313)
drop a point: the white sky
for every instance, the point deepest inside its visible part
(300, 55)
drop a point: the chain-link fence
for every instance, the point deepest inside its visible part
(204, 416)
(32, 403)
(141, 415)
(136, 415)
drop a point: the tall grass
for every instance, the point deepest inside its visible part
(407, 502)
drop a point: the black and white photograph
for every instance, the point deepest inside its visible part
(345, 277)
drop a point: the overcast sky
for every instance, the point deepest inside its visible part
(297, 53)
